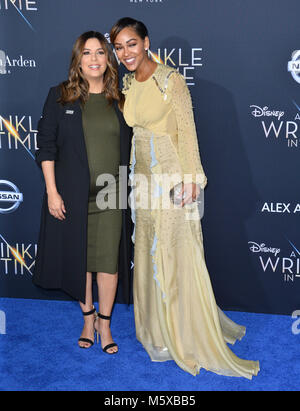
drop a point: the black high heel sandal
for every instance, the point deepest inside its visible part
(87, 340)
(108, 346)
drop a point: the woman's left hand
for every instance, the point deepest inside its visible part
(191, 192)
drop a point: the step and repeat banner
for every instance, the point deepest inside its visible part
(241, 60)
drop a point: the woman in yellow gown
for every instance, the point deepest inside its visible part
(176, 314)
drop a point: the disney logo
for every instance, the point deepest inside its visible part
(265, 112)
(261, 248)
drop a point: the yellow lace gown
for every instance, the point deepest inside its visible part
(176, 314)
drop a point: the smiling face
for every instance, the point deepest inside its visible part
(93, 61)
(131, 49)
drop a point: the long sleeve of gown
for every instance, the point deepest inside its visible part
(188, 149)
(47, 129)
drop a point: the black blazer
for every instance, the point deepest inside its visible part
(61, 261)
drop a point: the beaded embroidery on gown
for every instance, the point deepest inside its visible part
(176, 314)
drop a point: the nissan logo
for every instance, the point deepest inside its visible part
(11, 198)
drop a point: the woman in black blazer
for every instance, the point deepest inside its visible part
(82, 134)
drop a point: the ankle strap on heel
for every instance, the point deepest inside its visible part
(90, 312)
(104, 317)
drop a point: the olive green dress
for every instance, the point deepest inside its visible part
(102, 138)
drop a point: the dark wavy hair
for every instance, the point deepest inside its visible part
(77, 87)
(121, 24)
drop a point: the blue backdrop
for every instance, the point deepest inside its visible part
(241, 60)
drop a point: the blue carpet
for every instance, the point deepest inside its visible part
(39, 352)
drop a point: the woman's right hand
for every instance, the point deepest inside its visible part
(56, 206)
